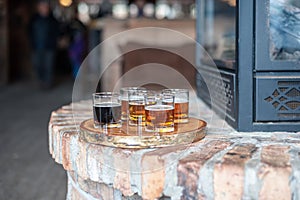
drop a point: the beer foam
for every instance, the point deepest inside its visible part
(181, 100)
(159, 107)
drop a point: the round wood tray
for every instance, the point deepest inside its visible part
(137, 137)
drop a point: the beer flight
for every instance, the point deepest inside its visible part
(156, 111)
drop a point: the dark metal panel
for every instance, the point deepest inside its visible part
(262, 40)
(259, 82)
(223, 96)
(279, 126)
(278, 97)
(199, 30)
(245, 65)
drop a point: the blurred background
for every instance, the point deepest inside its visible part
(43, 44)
(93, 15)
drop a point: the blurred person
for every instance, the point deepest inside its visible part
(140, 5)
(43, 35)
(77, 47)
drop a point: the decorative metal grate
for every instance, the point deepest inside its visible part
(286, 99)
(221, 90)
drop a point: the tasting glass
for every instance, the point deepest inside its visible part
(159, 112)
(124, 100)
(107, 110)
(136, 107)
(181, 111)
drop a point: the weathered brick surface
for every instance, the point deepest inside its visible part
(275, 172)
(276, 155)
(122, 163)
(66, 152)
(80, 188)
(75, 194)
(81, 164)
(153, 176)
(189, 167)
(229, 173)
(108, 173)
(95, 162)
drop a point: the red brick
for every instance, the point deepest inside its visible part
(275, 173)
(66, 162)
(229, 173)
(189, 167)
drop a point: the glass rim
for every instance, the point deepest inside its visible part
(106, 94)
(175, 90)
(132, 88)
(130, 92)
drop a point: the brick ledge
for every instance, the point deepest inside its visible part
(228, 165)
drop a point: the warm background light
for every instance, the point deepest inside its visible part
(65, 3)
(231, 2)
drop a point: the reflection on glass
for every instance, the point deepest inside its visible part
(218, 31)
(284, 29)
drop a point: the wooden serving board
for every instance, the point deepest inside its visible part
(137, 138)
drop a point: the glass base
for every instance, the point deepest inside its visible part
(181, 121)
(160, 129)
(107, 126)
(136, 123)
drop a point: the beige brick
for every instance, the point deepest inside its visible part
(105, 192)
(56, 140)
(276, 155)
(81, 159)
(96, 189)
(93, 189)
(153, 176)
(95, 161)
(189, 167)
(275, 172)
(122, 162)
(90, 187)
(75, 194)
(50, 145)
(229, 173)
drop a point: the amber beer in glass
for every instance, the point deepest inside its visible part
(124, 100)
(181, 110)
(107, 110)
(136, 102)
(160, 116)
